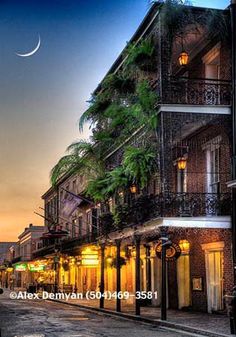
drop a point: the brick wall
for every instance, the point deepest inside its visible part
(197, 237)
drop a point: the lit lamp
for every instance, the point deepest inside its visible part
(183, 58)
(182, 163)
(133, 189)
(184, 246)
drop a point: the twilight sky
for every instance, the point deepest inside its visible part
(42, 96)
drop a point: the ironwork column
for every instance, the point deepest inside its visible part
(148, 268)
(102, 276)
(118, 275)
(137, 274)
(164, 241)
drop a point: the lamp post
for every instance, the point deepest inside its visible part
(164, 243)
(56, 263)
(102, 275)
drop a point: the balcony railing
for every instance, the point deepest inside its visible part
(193, 204)
(169, 204)
(65, 245)
(201, 91)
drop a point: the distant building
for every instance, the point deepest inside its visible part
(22, 253)
(4, 248)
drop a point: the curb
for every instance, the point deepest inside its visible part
(157, 322)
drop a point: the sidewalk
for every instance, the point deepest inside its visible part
(195, 322)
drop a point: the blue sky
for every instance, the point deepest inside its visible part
(42, 97)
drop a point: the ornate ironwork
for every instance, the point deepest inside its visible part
(171, 204)
(201, 91)
(194, 204)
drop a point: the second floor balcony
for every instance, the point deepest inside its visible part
(170, 205)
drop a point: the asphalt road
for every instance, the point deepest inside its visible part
(40, 318)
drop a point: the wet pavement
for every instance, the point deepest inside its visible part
(41, 318)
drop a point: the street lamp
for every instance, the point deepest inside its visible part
(165, 242)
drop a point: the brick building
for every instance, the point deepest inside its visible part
(187, 199)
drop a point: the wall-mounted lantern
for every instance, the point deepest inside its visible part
(182, 163)
(183, 58)
(133, 188)
(184, 246)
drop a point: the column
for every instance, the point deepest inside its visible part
(148, 268)
(102, 275)
(118, 275)
(137, 273)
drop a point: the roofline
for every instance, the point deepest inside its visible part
(140, 31)
(137, 35)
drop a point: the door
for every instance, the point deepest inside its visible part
(212, 89)
(183, 279)
(214, 273)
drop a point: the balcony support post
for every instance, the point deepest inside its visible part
(102, 276)
(118, 275)
(137, 273)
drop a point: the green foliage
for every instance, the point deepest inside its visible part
(140, 55)
(139, 163)
(68, 163)
(118, 83)
(121, 215)
(176, 16)
(98, 188)
(82, 156)
(123, 104)
(93, 114)
(102, 187)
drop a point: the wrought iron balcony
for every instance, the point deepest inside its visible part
(201, 91)
(193, 204)
(170, 204)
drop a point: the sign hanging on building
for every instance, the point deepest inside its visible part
(21, 267)
(36, 267)
(172, 252)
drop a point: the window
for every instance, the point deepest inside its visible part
(89, 221)
(74, 224)
(213, 164)
(80, 225)
(215, 170)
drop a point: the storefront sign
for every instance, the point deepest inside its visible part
(21, 267)
(89, 257)
(172, 252)
(36, 267)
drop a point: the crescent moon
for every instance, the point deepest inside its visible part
(33, 51)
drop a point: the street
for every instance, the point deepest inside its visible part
(44, 318)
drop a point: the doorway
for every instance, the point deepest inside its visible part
(214, 275)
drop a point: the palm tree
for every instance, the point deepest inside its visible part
(82, 156)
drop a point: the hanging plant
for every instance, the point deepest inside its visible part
(65, 266)
(94, 113)
(139, 164)
(118, 83)
(141, 55)
(106, 223)
(121, 215)
(114, 263)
